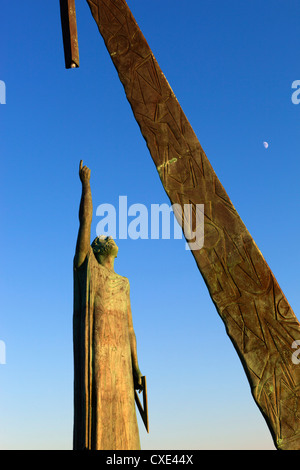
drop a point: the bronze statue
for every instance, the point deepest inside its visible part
(105, 355)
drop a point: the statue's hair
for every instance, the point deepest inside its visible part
(100, 245)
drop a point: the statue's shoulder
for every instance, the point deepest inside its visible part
(89, 259)
(126, 281)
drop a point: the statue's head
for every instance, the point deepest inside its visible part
(104, 246)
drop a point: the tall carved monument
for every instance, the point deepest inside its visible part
(106, 370)
(257, 316)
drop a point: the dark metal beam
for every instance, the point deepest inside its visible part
(69, 32)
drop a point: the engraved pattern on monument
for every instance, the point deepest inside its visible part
(257, 316)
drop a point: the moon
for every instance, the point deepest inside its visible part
(266, 145)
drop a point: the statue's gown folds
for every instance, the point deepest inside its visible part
(104, 405)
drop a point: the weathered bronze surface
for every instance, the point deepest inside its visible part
(257, 316)
(69, 32)
(106, 370)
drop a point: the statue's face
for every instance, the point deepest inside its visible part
(108, 246)
(112, 245)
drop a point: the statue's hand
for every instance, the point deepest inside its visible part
(137, 376)
(84, 173)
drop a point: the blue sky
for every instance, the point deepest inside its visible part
(231, 65)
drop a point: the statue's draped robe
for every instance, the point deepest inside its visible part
(104, 405)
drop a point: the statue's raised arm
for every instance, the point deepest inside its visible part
(85, 216)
